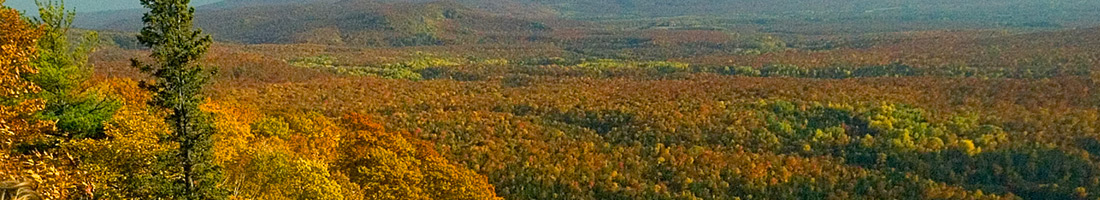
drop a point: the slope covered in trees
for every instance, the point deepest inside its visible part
(354, 23)
(376, 23)
(556, 100)
(159, 140)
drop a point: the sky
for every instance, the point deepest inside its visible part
(28, 6)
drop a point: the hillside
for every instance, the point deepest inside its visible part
(563, 99)
(350, 22)
(830, 9)
(434, 22)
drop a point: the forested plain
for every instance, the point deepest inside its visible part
(521, 99)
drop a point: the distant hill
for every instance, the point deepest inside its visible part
(86, 6)
(348, 22)
(1050, 9)
(242, 3)
(431, 22)
(130, 19)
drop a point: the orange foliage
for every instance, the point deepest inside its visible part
(306, 155)
(17, 47)
(393, 166)
(48, 170)
(981, 49)
(557, 136)
(233, 131)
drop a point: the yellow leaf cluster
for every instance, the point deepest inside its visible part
(17, 48)
(134, 131)
(321, 158)
(393, 166)
(18, 40)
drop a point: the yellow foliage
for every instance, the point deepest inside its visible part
(232, 127)
(17, 48)
(47, 170)
(313, 135)
(968, 146)
(269, 173)
(350, 159)
(127, 91)
(134, 133)
(392, 166)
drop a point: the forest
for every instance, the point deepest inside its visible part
(552, 99)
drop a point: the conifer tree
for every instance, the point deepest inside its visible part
(178, 82)
(63, 71)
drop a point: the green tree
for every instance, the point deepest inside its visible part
(179, 79)
(63, 72)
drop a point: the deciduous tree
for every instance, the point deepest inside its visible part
(17, 107)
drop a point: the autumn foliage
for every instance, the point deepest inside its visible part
(46, 170)
(18, 48)
(441, 100)
(294, 155)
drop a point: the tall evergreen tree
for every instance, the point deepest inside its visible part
(63, 71)
(179, 79)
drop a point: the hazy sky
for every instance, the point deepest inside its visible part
(90, 5)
